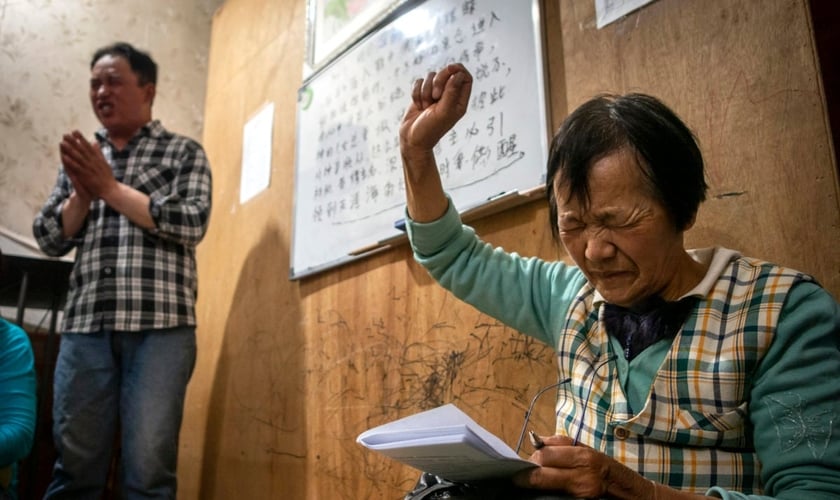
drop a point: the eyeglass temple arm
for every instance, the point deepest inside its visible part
(531, 408)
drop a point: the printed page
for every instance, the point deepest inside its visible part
(446, 442)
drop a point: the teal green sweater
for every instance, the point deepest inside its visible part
(804, 358)
(17, 397)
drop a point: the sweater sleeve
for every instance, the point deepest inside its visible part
(17, 394)
(794, 402)
(527, 294)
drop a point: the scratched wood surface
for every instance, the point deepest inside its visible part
(289, 373)
(744, 76)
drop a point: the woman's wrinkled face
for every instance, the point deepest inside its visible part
(624, 241)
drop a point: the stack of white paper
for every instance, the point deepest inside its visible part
(446, 442)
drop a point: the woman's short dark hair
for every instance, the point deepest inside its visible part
(141, 62)
(666, 150)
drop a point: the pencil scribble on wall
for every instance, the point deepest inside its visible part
(387, 370)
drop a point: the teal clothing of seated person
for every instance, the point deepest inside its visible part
(17, 404)
(692, 373)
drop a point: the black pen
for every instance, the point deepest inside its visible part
(536, 442)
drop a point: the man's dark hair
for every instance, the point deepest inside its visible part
(665, 148)
(141, 62)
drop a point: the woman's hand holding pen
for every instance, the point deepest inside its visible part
(582, 472)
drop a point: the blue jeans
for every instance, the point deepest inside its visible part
(134, 381)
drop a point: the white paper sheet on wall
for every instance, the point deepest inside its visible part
(256, 153)
(607, 11)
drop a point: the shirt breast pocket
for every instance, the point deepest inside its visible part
(156, 179)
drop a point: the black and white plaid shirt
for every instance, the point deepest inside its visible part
(126, 278)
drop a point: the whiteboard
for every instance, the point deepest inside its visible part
(349, 187)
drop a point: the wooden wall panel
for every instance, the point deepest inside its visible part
(385, 342)
(744, 76)
(289, 373)
(245, 421)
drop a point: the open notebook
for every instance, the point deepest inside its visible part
(446, 442)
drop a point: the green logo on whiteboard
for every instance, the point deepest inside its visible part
(305, 98)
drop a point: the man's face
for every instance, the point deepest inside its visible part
(120, 103)
(624, 241)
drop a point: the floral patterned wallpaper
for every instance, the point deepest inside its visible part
(45, 50)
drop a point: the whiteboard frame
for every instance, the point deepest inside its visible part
(490, 206)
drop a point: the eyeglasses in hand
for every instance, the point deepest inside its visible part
(539, 393)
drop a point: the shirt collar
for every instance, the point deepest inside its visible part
(152, 129)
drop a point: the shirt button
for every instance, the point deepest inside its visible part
(108, 270)
(621, 433)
